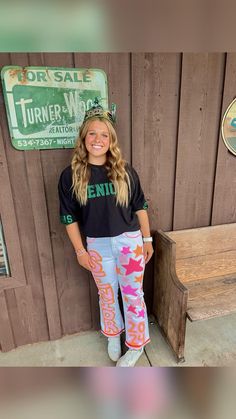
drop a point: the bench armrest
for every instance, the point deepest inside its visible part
(170, 295)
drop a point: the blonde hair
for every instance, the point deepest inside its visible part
(115, 165)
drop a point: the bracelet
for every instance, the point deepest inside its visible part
(147, 239)
(80, 252)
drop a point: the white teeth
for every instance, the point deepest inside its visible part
(97, 146)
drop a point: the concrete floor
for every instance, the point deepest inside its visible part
(208, 343)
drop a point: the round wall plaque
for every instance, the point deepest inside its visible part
(228, 127)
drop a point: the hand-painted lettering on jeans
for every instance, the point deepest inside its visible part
(136, 333)
(106, 294)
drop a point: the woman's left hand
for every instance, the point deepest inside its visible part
(148, 251)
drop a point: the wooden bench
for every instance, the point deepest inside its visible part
(194, 278)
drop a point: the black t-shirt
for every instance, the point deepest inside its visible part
(101, 217)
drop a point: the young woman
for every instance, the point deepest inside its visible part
(101, 196)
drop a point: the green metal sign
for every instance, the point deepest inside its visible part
(46, 105)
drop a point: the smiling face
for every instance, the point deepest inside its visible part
(97, 142)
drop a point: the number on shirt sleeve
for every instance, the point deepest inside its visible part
(69, 206)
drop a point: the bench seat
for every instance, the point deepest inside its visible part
(213, 297)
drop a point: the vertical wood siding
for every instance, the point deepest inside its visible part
(169, 113)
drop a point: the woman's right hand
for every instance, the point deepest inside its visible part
(84, 260)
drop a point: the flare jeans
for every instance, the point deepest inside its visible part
(119, 262)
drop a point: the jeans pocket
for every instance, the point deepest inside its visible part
(132, 234)
(90, 240)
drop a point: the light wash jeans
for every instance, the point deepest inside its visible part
(119, 262)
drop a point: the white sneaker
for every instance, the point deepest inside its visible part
(130, 358)
(114, 348)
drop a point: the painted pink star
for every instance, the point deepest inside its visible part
(133, 266)
(132, 309)
(126, 250)
(129, 290)
(141, 313)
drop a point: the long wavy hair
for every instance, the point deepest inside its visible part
(115, 165)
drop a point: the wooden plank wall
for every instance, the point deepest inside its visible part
(169, 112)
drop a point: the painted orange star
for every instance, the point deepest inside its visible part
(126, 299)
(139, 278)
(118, 271)
(138, 251)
